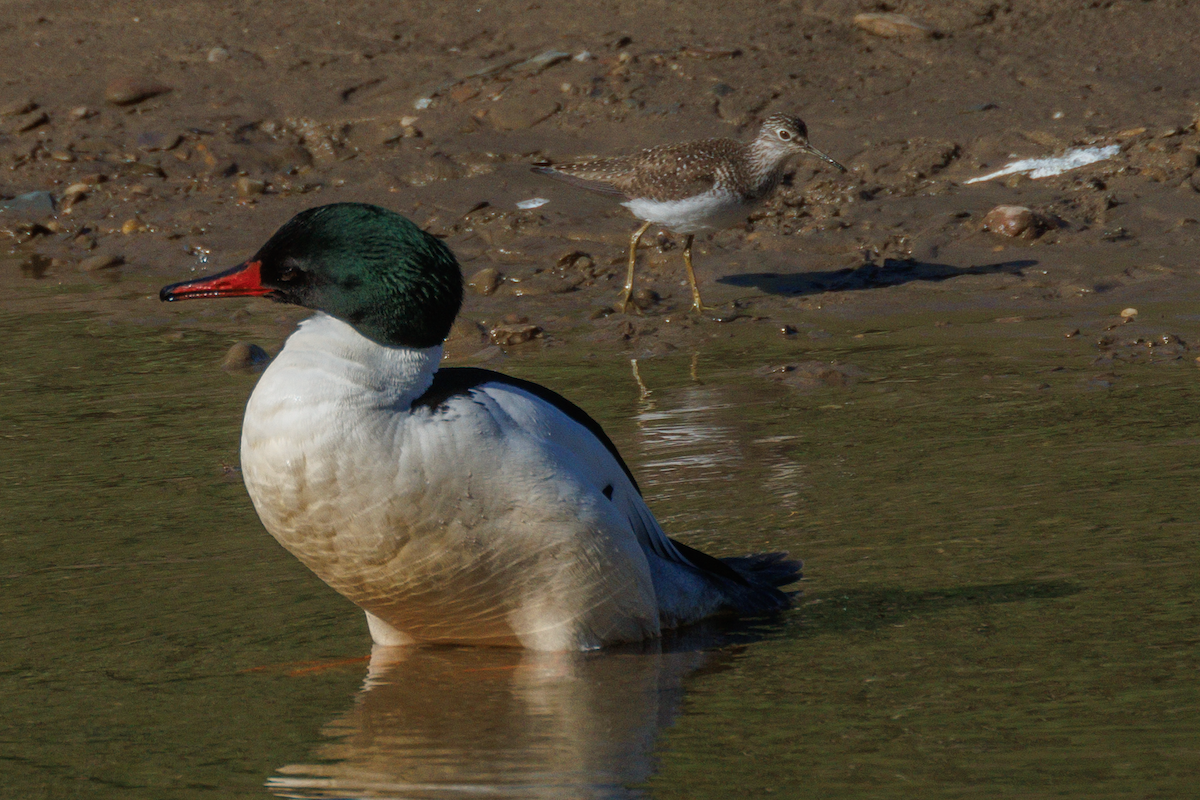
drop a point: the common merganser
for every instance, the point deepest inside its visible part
(453, 505)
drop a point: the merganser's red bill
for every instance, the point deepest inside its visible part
(244, 280)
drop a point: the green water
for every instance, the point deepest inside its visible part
(1000, 541)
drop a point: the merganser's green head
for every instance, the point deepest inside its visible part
(367, 266)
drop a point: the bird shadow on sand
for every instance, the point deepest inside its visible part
(892, 272)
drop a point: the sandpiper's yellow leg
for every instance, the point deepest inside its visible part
(687, 262)
(633, 243)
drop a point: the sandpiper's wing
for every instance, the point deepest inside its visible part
(670, 172)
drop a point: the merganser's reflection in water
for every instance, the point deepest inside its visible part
(440, 722)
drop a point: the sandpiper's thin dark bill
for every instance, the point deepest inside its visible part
(244, 280)
(812, 151)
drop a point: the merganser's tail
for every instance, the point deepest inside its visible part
(750, 584)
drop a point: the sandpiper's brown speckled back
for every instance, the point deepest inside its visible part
(678, 171)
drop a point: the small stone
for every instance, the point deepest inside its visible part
(892, 25)
(1129, 313)
(577, 259)
(245, 356)
(1014, 221)
(63, 156)
(217, 55)
(30, 205)
(81, 112)
(132, 225)
(1185, 159)
(248, 187)
(128, 91)
(154, 140)
(508, 334)
(486, 281)
(76, 190)
(143, 169)
(18, 107)
(1165, 339)
(788, 330)
(645, 298)
(85, 241)
(97, 263)
(1071, 334)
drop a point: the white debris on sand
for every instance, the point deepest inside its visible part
(1054, 165)
(533, 202)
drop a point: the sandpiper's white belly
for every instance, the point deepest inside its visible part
(713, 210)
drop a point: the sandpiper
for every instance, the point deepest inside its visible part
(693, 186)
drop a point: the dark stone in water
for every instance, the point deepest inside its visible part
(245, 356)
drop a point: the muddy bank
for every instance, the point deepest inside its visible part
(172, 141)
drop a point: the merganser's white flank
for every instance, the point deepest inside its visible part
(452, 505)
(694, 186)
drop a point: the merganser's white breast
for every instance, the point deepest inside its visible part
(485, 519)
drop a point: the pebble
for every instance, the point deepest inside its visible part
(97, 263)
(153, 140)
(486, 281)
(892, 25)
(82, 112)
(245, 356)
(512, 333)
(63, 156)
(127, 91)
(133, 225)
(1129, 313)
(1013, 221)
(248, 187)
(217, 55)
(577, 259)
(28, 205)
(645, 298)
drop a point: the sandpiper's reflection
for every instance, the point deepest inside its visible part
(437, 722)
